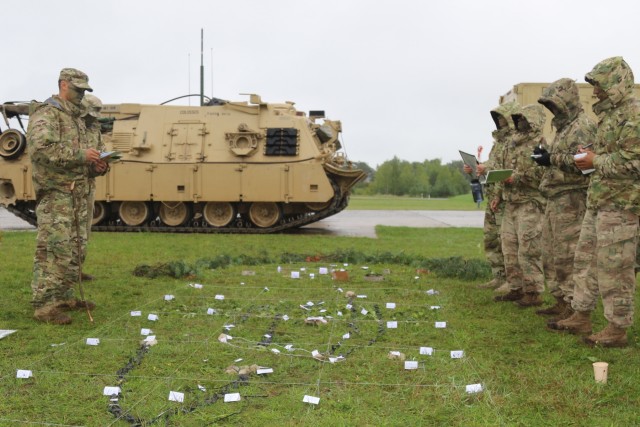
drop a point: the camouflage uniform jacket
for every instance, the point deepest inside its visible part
(56, 139)
(517, 156)
(501, 137)
(615, 182)
(573, 128)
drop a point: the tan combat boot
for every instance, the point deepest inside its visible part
(558, 308)
(579, 323)
(568, 312)
(51, 314)
(513, 295)
(503, 289)
(493, 284)
(611, 336)
(75, 304)
(530, 299)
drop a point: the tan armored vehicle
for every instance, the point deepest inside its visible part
(223, 167)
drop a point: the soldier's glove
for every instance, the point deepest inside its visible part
(541, 156)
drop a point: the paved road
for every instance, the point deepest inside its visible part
(346, 223)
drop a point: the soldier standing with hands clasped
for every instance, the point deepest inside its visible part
(606, 248)
(522, 222)
(57, 144)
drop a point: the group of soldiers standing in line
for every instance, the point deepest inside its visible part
(569, 213)
(64, 143)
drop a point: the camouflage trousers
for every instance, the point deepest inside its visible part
(604, 263)
(561, 229)
(493, 242)
(56, 261)
(522, 246)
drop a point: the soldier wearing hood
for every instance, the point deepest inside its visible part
(606, 248)
(565, 187)
(494, 212)
(522, 222)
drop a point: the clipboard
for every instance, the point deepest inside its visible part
(110, 156)
(497, 175)
(469, 160)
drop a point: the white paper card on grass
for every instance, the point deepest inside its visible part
(364, 312)
(5, 332)
(410, 364)
(176, 396)
(392, 324)
(136, 313)
(232, 397)
(457, 354)
(295, 274)
(440, 325)
(93, 341)
(474, 388)
(261, 371)
(23, 373)
(323, 270)
(110, 391)
(391, 305)
(311, 399)
(145, 331)
(219, 297)
(168, 297)
(426, 350)
(211, 311)
(153, 317)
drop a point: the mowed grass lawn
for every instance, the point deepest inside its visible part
(529, 376)
(463, 202)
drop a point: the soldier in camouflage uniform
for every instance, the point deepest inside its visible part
(59, 154)
(565, 187)
(505, 130)
(522, 222)
(91, 107)
(606, 248)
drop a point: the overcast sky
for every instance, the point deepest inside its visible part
(412, 79)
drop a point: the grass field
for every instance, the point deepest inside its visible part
(459, 203)
(530, 377)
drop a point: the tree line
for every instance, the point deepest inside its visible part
(429, 178)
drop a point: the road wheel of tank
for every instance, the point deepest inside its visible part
(174, 214)
(133, 213)
(12, 144)
(319, 206)
(99, 213)
(264, 214)
(218, 214)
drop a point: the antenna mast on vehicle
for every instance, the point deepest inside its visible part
(201, 67)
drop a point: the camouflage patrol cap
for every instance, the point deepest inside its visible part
(91, 105)
(76, 78)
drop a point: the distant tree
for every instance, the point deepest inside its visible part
(417, 179)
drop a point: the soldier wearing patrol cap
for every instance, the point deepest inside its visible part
(61, 165)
